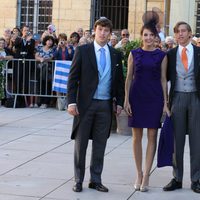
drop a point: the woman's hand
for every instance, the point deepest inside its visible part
(127, 108)
(166, 109)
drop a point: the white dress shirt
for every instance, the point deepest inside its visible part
(189, 52)
(97, 48)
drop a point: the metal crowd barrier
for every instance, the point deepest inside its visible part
(28, 77)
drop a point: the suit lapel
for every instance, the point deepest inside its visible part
(92, 56)
(196, 59)
(112, 59)
(174, 59)
(172, 64)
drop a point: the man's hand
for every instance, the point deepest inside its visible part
(118, 110)
(73, 110)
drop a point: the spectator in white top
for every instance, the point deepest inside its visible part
(160, 33)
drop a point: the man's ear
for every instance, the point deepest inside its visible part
(190, 36)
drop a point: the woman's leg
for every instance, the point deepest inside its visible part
(137, 152)
(150, 153)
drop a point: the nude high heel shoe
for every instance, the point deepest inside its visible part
(138, 181)
(145, 184)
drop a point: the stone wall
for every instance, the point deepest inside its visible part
(8, 14)
(68, 15)
(136, 11)
(184, 13)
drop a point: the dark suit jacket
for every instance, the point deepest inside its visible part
(83, 79)
(29, 48)
(171, 70)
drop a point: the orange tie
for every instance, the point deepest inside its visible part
(184, 58)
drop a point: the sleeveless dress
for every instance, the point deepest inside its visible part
(146, 95)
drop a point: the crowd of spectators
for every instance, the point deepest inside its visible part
(22, 43)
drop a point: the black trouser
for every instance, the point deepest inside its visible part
(96, 123)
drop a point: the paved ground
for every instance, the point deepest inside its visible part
(36, 162)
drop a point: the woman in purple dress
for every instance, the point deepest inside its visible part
(145, 99)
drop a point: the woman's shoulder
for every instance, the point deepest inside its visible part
(161, 53)
(139, 49)
(136, 51)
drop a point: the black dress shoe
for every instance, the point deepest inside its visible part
(173, 185)
(98, 186)
(195, 186)
(77, 187)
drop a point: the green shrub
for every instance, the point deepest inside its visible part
(134, 44)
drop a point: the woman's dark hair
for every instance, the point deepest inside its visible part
(75, 34)
(150, 19)
(2, 39)
(48, 37)
(150, 26)
(20, 33)
(62, 36)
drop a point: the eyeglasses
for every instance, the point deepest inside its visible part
(125, 34)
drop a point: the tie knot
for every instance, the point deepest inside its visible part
(102, 50)
(184, 49)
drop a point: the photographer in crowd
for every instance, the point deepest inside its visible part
(63, 50)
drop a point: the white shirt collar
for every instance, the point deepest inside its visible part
(97, 46)
(189, 52)
(189, 47)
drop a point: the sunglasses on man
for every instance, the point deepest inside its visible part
(125, 34)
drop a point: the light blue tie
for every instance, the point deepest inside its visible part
(103, 58)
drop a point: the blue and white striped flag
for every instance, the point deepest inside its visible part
(61, 72)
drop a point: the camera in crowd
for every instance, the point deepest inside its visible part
(23, 54)
(61, 42)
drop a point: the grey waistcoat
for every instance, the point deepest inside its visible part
(185, 81)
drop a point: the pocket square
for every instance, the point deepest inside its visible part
(117, 65)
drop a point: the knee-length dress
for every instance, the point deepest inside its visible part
(146, 94)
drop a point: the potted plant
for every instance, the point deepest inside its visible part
(122, 119)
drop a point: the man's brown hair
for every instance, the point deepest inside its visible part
(62, 36)
(104, 22)
(182, 23)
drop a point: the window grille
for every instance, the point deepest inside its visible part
(115, 10)
(198, 19)
(35, 13)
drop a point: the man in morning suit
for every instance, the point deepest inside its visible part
(184, 75)
(95, 79)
